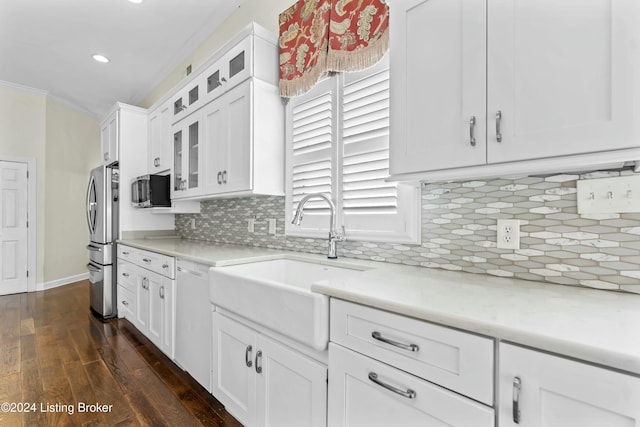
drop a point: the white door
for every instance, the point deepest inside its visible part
(564, 75)
(167, 294)
(215, 134)
(13, 227)
(438, 69)
(558, 392)
(291, 388)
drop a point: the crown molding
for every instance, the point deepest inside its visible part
(24, 88)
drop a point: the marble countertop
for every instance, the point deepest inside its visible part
(592, 325)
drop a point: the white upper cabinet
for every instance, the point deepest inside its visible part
(225, 125)
(437, 84)
(565, 76)
(160, 152)
(487, 87)
(109, 138)
(243, 150)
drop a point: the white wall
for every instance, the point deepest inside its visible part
(72, 150)
(65, 144)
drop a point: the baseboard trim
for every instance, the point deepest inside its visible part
(61, 282)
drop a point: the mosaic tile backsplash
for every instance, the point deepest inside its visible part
(459, 232)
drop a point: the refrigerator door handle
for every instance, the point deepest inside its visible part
(93, 248)
(90, 204)
(93, 268)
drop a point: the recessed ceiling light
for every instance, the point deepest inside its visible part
(100, 58)
(136, 1)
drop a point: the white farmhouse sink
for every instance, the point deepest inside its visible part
(277, 294)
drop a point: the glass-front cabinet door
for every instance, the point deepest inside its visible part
(186, 155)
(231, 69)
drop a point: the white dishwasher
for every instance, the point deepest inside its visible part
(193, 321)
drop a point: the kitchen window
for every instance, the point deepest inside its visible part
(338, 144)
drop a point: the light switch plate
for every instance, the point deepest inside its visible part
(272, 226)
(609, 195)
(251, 223)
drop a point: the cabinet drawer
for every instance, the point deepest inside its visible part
(158, 263)
(126, 303)
(365, 392)
(127, 252)
(127, 275)
(457, 360)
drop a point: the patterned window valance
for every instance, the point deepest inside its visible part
(319, 36)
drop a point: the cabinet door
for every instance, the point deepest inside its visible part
(167, 295)
(215, 134)
(438, 83)
(109, 139)
(227, 125)
(142, 303)
(564, 75)
(187, 136)
(233, 380)
(396, 399)
(291, 388)
(235, 152)
(156, 308)
(160, 139)
(558, 392)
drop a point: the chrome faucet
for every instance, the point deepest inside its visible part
(334, 236)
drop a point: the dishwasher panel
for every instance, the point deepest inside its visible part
(193, 321)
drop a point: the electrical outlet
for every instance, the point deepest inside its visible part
(508, 234)
(193, 223)
(272, 226)
(251, 224)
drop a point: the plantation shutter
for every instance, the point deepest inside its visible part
(313, 130)
(338, 139)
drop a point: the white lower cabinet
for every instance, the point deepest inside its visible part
(262, 382)
(387, 369)
(365, 392)
(146, 297)
(542, 390)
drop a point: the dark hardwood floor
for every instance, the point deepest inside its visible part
(53, 353)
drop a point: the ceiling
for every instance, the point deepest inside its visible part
(48, 45)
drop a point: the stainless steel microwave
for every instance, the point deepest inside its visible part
(150, 191)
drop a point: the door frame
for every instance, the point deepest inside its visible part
(32, 248)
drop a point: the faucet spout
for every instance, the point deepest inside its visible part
(334, 236)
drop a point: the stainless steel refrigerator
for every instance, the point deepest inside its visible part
(102, 218)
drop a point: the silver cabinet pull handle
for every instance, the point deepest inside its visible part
(161, 292)
(219, 177)
(125, 274)
(499, 126)
(125, 253)
(408, 393)
(247, 356)
(409, 347)
(472, 125)
(224, 177)
(517, 386)
(125, 303)
(165, 266)
(147, 260)
(259, 359)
